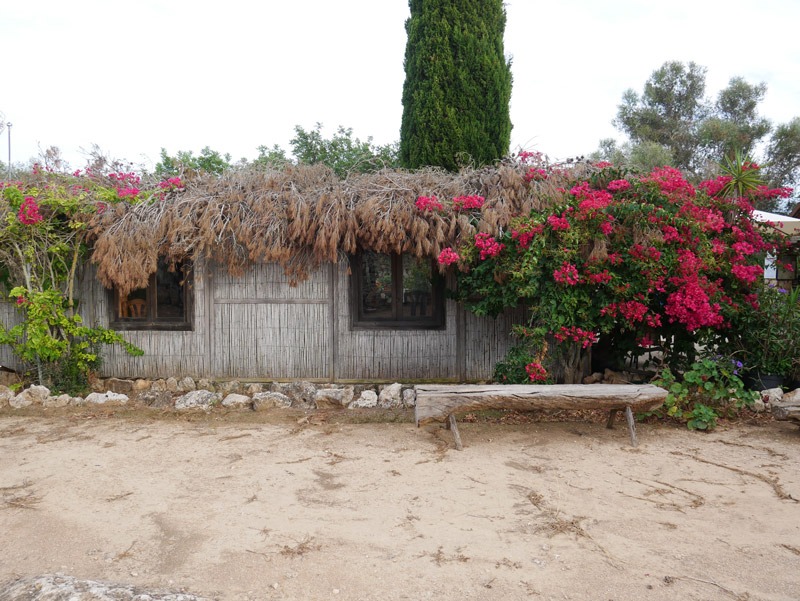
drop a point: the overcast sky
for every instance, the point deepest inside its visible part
(133, 77)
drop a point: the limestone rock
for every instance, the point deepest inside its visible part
(171, 384)
(301, 393)
(142, 385)
(197, 399)
(34, 395)
(333, 398)
(409, 397)
(390, 396)
(205, 384)
(595, 378)
(367, 400)
(234, 400)
(106, 398)
(61, 400)
(155, 399)
(771, 395)
(159, 385)
(186, 384)
(6, 394)
(270, 400)
(787, 408)
(231, 387)
(57, 587)
(254, 388)
(118, 385)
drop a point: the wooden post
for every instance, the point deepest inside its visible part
(456, 435)
(631, 424)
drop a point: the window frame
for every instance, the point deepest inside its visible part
(151, 297)
(358, 321)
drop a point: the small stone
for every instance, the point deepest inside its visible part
(172, 384)
(6, 394)
(186, 384)
(118, 385)
(34, 395)
(205, 384)
(771, 395)
(390, 396)
(270, 400)
(254, 388)
(234, 400)
(333, 398)
(155, 399)
(301, 393)
(367, 400)
(198, 399)
(409, 397)
(231, 387)
(106, 398)
(61, 400)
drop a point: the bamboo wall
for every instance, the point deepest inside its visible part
(257, 327)
(9, 317)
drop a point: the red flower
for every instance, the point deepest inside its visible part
(29, 212)
(448, 256)
(536, 372)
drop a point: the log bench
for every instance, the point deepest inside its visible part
(441, 402)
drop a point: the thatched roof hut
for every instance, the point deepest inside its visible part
(303, 216)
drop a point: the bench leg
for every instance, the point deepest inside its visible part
(631, 425)
(451, 420)
(611, 415)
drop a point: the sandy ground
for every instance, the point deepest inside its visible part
(233, 509)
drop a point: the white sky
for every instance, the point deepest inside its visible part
(133, 77)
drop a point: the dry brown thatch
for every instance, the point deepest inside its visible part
(304, 216)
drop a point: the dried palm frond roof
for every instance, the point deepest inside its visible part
(304, 216)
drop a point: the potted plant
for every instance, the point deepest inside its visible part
(766, 336)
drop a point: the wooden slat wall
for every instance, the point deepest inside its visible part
(167, 353)
(257, 327)
(265, 329)
(9, 317)
(406, 355)
(486, 341)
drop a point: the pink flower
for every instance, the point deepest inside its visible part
(585, 338)
(448, 256)
(468, 202)
(127, 192)
(488, 246)
(173, 182)
(558, 223)
(536, 372)
(29, 212)
(535, 175)
(618, 185)
(428, 203)
(566, 274)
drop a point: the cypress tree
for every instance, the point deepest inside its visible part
(458, 84)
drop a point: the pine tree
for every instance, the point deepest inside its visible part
(458, 84)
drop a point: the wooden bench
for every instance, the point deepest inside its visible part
(441, 402)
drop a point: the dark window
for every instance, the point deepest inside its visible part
(164, 305)
(396, 291)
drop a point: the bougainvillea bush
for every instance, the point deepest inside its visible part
(632, 263)
(44, 233)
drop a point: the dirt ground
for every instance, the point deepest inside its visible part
(307, 507)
